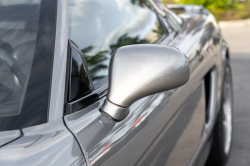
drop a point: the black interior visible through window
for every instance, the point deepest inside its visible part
(27, 35)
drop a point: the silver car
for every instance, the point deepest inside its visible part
(112, 83)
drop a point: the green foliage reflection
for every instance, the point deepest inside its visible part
(97, 62)
(141, 3)
(93, 61)
(126, 40)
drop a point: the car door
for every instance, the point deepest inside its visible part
(161, 129)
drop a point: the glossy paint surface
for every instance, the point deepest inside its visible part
(7, 136)
(140, 70)
(126, 142)
(47, 144)
(57, 91)
(166, 128)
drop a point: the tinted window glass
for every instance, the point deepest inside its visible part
(26, 54)
(99, 27)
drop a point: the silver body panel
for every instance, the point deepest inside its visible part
(7, 136)
(129, 141)
(159, 130)
(166, 128)
(47, 144)
(59, 64)
(160, 67)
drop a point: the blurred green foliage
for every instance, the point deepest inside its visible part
(212, 5)
(221, 9)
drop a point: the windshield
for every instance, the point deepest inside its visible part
(26, 54)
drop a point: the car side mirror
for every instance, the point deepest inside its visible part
(137, 71)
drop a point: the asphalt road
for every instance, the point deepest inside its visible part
(240, 154)
(237, 34)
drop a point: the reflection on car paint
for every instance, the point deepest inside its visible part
(46, 144)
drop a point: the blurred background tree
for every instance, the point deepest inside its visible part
(221, 9)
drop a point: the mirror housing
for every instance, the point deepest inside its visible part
(136, 71)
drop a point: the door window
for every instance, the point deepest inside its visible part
(99, 27)
(27, 35)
